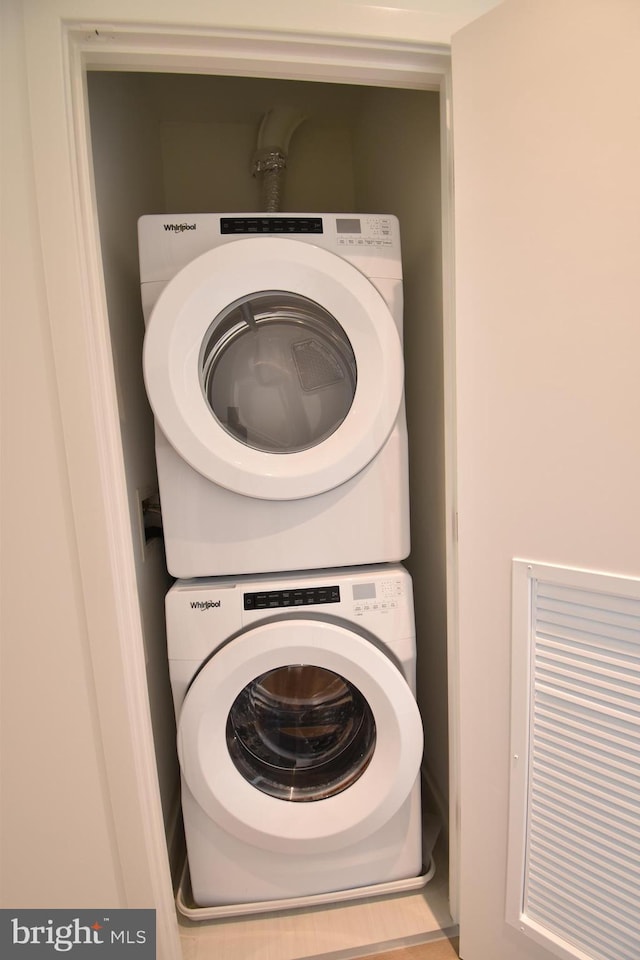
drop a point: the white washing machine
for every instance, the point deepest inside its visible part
(299, 736)
(273, 364)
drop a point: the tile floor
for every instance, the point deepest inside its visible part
(438, 950)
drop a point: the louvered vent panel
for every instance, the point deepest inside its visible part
(582, 857)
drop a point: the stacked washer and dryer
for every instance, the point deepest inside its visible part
(274, 367)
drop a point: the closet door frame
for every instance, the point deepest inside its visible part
(60, 51)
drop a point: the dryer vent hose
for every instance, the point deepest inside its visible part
(270, 159)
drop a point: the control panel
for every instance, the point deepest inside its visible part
(370, 231)
(251, 225)
(304, 597)
(382, 597)
(350, 231)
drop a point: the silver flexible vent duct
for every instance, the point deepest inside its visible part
(270, 158)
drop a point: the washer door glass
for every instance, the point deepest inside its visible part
(278, 372)
(301, 733)
(304, 708)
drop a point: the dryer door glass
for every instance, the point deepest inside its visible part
(301, 733)
(278, 372)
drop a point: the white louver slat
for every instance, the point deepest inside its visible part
(574, 843)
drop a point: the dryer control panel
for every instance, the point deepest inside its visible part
(168, 242)
(271, 224)
(363, 231)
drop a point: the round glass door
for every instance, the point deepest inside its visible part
(278, 372)
(301, 733)
(299, 709)
(274, 368)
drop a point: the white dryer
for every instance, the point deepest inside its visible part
(299, 736)
(273, 364)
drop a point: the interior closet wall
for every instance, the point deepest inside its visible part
(183, 144)
(57, 846)
(398, 169)
(209, 128)
(127, 161)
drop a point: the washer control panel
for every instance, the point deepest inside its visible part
(305, 597)
(381, 597)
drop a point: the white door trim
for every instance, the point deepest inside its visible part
(60, 50)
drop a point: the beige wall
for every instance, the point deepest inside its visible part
(128, 180)
(209, 128)
(548, 207)
(397, 159)
(57, 843)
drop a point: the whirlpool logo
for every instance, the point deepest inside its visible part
(40, 933)
(205, 604)
(179, 227)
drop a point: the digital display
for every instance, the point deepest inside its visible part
(364, 591)
(345, 225)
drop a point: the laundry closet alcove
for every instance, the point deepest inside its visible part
(183, 143)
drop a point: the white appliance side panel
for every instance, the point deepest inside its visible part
(574, 845)
(547, 343)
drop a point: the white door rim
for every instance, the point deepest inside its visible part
(172, 354)
(275, 824)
